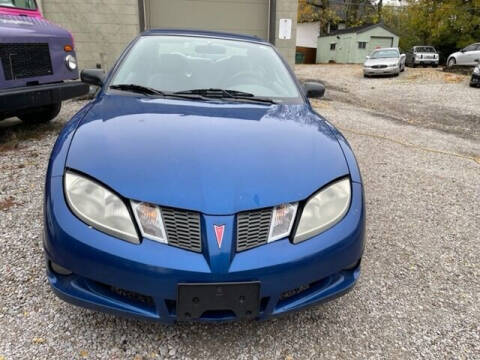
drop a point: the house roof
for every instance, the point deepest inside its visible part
(359, 29)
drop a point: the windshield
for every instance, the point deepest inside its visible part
(425, 49)
(181, 63)
(21, 4)
(384, 54)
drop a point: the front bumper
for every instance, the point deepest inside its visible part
(426, 61)
(22, 98)
(141, 280)
(391, 70)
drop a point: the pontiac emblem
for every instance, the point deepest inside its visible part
(219, 230)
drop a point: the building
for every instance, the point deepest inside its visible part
(351, 46)
(307, 40)
(103, 28)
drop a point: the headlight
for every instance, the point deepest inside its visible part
(149, 218)
(71, 62)
(99, 207)
(282, 221)
(323, 210)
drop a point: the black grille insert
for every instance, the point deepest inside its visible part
(379, 66)
(22, 61)
(182, 228)
(253, 228)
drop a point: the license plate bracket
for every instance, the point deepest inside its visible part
(194, 299)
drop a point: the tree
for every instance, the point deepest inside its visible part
(350, 12)
(446, 24)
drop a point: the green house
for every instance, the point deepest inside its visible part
(352, 45)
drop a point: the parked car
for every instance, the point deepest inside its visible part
(466, 56)
(384, 61)
(475, 80)
(195, 187)
(37, 62)
(422, 55)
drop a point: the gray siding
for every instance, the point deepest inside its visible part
(101, 28)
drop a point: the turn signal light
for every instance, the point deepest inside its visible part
(68, 48)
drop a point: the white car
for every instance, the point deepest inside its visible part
(384, 61)
(467, 56)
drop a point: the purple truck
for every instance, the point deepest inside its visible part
(37, 64)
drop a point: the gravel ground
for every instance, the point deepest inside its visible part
(418, 296)
(422, 96)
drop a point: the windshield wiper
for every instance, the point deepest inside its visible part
(138, 89)
(225, 94)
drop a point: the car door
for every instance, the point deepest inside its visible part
(475, 55)
(467, 55)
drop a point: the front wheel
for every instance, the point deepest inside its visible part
(41, 115)
(451, 62)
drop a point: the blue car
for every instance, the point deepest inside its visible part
(200, 184)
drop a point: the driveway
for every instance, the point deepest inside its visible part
(418, 295)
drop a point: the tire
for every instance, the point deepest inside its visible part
(41, 115)
(366, 76)
(414, 65)
(435, 66)
(451, 62)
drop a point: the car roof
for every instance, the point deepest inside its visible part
(205, 33)
(391, 48)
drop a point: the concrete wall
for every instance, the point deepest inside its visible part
(101, 28)
(347, 49)
(307, 34)
(286, 9)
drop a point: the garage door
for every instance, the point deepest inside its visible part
(244, 17)
(377, 41)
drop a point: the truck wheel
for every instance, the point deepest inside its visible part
(41, 115)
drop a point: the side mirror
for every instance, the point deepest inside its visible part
(314, 89)
(462, 51)
(93, 76)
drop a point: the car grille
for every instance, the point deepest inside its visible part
(253, 228)
(21, 61)
(379, 66)
(183, 228)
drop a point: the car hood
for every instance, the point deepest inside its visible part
(216, 158)
(371, 62)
